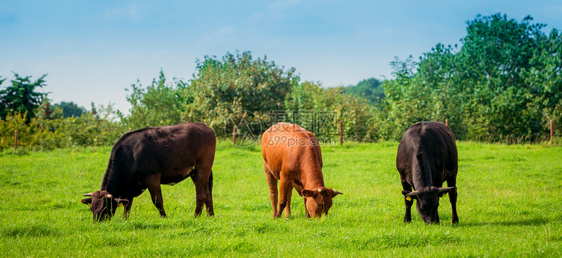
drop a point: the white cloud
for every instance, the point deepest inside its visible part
(275, 10)
(279, 6)
(218, 36)
(133, 11)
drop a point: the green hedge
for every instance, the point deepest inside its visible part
(48, 134)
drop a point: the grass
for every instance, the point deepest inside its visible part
(509, 205)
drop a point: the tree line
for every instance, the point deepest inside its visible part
(42, 126)
(503, 83)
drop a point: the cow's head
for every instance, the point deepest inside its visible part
(427, 201)
(103, 204)
(319, 200)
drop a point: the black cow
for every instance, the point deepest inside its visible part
(427, 156)
(152, 156)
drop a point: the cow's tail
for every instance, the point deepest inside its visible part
(210, 183)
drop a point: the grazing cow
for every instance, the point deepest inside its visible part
(152, 156)
(427, 156)
(292, 155)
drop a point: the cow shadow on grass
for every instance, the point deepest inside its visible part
(515, 222)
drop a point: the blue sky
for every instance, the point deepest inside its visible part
(93, 49)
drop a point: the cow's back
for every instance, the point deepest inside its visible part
(290, 147)
(169, 150)
(430, 142)
(192, 141)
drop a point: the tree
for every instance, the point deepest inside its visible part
(544, 80)
(45, 111)
(320, 110)
(70, 109)
(21, 96)
(306, 96)
(237, 88)
(409, 99)
(371, 89)
(503, 83)
(496, 53)
(158, 104)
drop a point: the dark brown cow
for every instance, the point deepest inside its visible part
(427, 156)
(292, 155)
(153, 156)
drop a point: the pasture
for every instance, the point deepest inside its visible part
(509, 205)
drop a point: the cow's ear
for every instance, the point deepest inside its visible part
(122, 202)
(410, 195)
(309, 193)
(335, 193)
(87, 201)
(443, 191)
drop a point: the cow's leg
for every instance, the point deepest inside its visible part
(156, 193)
(307, 215)
(288, 207)
(201, 181)
(284, 188)
(272, 182)
(127, 209)
(200, 196)
(453, 199)
(408, 215)
(209, 199)
(299, 189)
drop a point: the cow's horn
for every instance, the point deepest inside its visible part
(88, 194)
(445, 189)
(414, 193)
(319, 190)
(108, 196)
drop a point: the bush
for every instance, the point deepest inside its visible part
(46, 134)
(237, 90)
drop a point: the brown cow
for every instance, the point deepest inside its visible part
(292, 155)
(152, 156)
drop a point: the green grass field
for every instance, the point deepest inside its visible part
(509, 205)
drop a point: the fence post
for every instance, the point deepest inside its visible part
(16, 141)
(551, 130)
(341, 133)
(447, 122)
(234, 132)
